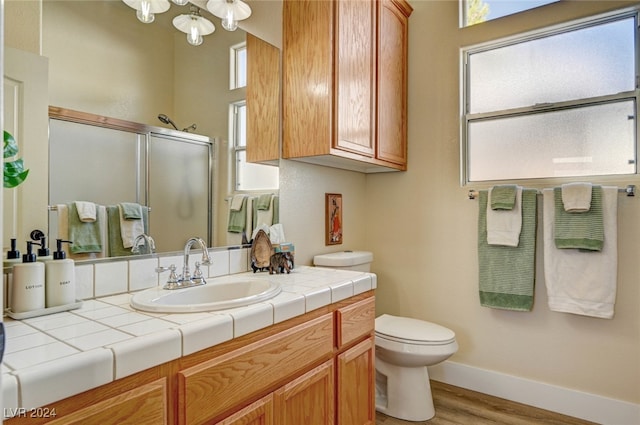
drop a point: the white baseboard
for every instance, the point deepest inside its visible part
(569, 402)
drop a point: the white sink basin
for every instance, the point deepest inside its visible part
(217, 294)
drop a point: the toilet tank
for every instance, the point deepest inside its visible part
(345, 260)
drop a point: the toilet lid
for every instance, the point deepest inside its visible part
(412, 330)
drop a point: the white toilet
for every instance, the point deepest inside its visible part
(404, 349)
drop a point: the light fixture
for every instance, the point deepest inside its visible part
(230, 11)
(180, 2)
(146, 9)
(194, 25)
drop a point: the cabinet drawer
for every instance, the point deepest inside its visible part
(355, 321)
(215, 386)
(145, 405)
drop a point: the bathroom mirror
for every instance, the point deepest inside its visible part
(101, 60)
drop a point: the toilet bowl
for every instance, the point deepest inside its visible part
(405, 347)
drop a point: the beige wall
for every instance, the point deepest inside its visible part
(425, 234)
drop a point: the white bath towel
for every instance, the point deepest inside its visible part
(576, 197)
(264, 217)
(577, 281)
(63, 232)
(86, 211)
(130, 229)
(504, 226)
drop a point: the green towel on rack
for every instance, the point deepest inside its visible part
(582, 230)
(131, 210)
(507, 274)
(116, 247)
(238, 219)
(84, 235)
(276, 209)
(503, 197)
(263, 202)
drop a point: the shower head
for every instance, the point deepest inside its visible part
(166, 120)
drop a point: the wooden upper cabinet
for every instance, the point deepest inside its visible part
(392, 81)
(263, 101)
(332, 66)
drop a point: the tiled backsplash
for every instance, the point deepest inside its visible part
(111, 277)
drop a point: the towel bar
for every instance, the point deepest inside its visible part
(55, 208)
(630, 190)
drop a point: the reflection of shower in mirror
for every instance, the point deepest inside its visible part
(166, 120)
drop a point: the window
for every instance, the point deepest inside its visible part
(238, 66)
(248, 176)
(478, 11)
(557, 104)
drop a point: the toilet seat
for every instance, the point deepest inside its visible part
(406, 330)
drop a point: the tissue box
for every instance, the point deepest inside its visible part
(284, 247)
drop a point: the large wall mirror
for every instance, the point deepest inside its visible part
(104, 62)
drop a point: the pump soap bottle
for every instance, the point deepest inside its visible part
(28, 284)
(61, 278)
(44, 254)
(13, 255)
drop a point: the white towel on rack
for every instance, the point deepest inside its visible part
(504, 226)
(582, 282)
(86, 211)
(130, 229)
(264, 217)
(576, 197)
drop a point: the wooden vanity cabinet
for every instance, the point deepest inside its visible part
(344, 83)
(313, 369)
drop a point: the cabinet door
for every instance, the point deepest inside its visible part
(263, 100)
(355, 70)
(392, 82)
(356, 385)
(258, 413)
(308, 399)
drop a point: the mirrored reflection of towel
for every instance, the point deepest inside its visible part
(86, 211)
(578, 281)
(236, 238)
(507, 274)
(504, 226)
(576, 197)
(85, 236)
(130, 228)
(261, 215)
(114, 234)
(63, 232)
(237, 216)
(583, 230)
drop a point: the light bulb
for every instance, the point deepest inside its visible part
(180, 2)
(229, 22)
(193, 36)
(144, 14)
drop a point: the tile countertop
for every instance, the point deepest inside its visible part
(106, 339)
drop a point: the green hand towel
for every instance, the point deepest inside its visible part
(238, 219)
(582, 230)
(116, 247)
(503, 197)
(84, 235)
(507, 274)
(263, 201)
(131, 211)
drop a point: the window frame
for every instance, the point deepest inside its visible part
(234, 66)
(467, 118)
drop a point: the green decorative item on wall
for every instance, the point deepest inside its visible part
(14, 172)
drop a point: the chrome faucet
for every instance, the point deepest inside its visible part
(146, 241)
(186, 280)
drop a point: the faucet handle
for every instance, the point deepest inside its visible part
(172, 281)
(197, 277)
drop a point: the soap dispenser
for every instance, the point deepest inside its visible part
(44, 254)
(28, 284)
(61, 278)
(13, 255)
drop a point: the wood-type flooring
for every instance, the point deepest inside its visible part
(460, 406)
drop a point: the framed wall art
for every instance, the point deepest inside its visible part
(333, 219)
